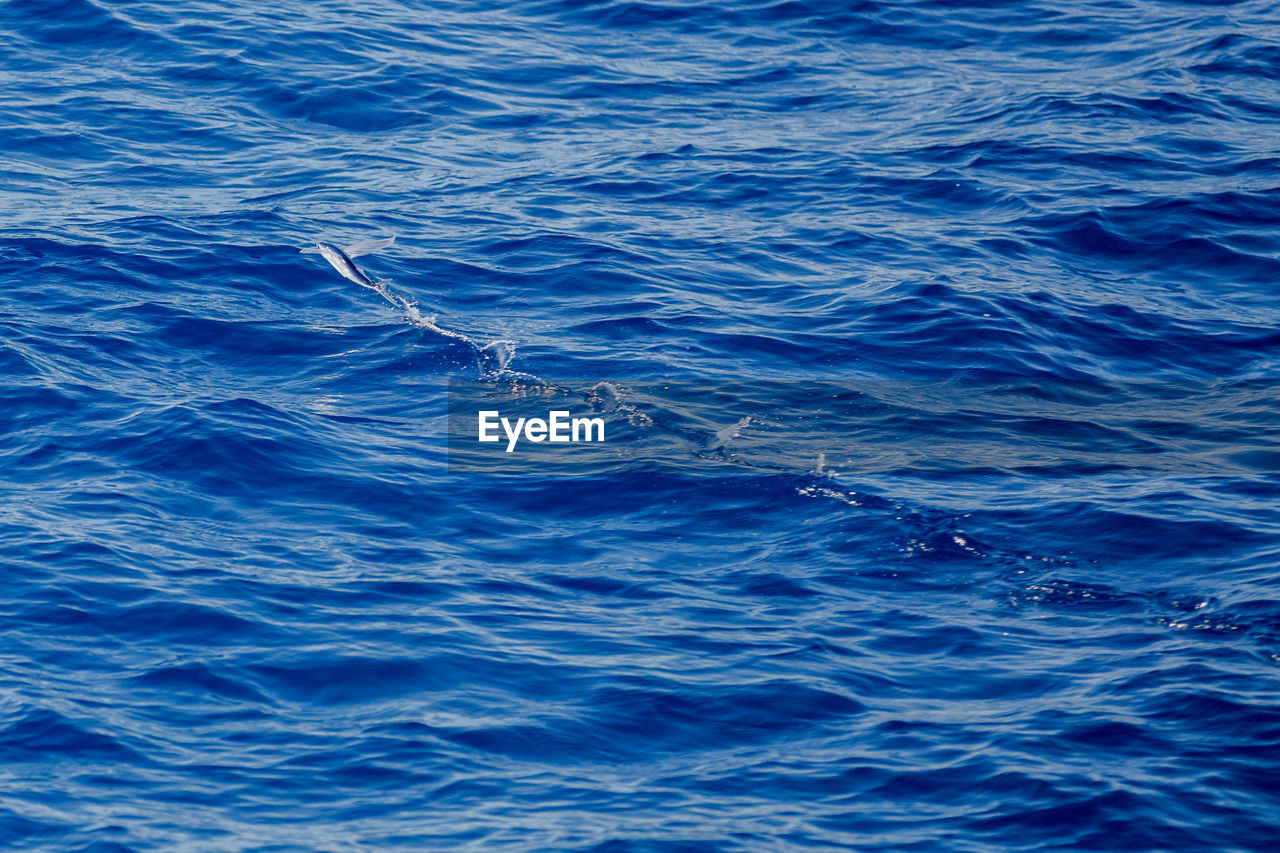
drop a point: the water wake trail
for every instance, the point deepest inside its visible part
(493, 365)
(491, 358)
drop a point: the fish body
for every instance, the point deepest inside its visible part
(346, 267)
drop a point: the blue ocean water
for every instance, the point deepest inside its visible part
(949, 332)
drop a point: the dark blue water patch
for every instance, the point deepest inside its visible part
(79, 25)
(44, 735)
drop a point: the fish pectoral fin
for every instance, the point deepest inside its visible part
(355, 250)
